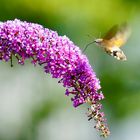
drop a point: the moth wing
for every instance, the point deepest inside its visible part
(111, 33)
(121, 35)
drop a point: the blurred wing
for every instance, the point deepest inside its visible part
(111, 33)
(121, 35)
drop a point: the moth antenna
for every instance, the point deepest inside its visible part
(88, 45)
(91, 36)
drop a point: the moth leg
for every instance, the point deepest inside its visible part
(108, 51)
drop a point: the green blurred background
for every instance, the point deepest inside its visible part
(33, 106)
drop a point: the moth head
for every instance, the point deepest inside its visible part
(98, 41)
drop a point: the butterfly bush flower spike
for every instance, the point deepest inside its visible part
(61, 58)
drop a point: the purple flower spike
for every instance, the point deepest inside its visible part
(60, 57)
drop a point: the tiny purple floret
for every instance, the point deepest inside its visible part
(60, 57)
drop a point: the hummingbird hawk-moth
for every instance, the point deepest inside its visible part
(113, 40)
